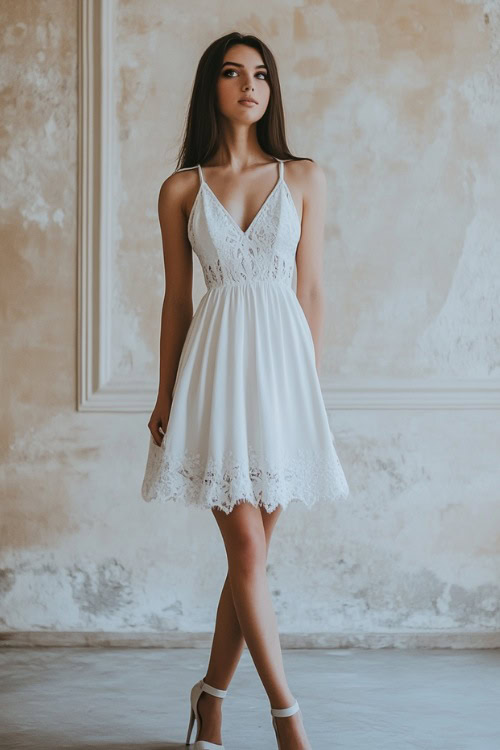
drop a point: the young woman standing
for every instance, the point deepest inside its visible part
(240, 426)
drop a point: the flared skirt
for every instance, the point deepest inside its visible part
(247, 421)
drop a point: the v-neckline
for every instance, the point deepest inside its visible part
(245, 232)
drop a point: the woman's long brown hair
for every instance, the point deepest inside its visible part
(202, 135)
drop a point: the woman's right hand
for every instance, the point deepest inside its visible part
(159, 420)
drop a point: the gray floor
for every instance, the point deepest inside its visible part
(351, 699)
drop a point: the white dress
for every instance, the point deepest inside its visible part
(247, 421)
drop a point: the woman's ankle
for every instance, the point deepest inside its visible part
(282, 700)
(215, 682)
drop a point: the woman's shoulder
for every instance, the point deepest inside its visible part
(307, 175)
(307, 169)
(176, 184)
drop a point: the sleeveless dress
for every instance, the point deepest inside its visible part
(247, 421)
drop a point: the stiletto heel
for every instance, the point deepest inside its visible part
(289, 711)
(196, 691)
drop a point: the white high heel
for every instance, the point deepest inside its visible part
(196, 691)
(289, 711)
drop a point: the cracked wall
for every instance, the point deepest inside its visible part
(400, 104)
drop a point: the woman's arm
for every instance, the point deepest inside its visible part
(177, 309)
(309, 258)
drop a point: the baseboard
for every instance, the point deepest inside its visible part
(103, 639)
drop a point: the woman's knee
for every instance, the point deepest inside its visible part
(248, 554)
(244, 538)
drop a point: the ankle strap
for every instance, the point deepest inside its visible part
(285, 711)
(212, 690)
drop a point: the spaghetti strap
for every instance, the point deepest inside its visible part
(196, 166)
(280, 171)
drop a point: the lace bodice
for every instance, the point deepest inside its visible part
(264, 251)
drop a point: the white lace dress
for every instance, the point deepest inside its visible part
(247, 421)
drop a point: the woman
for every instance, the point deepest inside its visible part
(240, 425)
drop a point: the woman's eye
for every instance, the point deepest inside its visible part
(228, 70)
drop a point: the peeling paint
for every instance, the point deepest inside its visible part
(483, 600)
(7, 580)
(101, 589)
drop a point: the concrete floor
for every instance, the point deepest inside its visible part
(351, 699)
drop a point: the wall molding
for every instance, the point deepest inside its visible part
(417, 393)
(98, 388)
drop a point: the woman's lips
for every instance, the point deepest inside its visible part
(247, 103)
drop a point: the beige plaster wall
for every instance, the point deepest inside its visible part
(400, 104)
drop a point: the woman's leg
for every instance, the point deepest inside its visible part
(228, 641)
(246, 550)
(227, 645)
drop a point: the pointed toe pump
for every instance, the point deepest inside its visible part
(197, 689)
(289, 711)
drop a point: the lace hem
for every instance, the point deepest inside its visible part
(304, 477)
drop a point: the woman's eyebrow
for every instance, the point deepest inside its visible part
(240, 65)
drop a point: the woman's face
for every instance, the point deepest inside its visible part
(243, 74)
